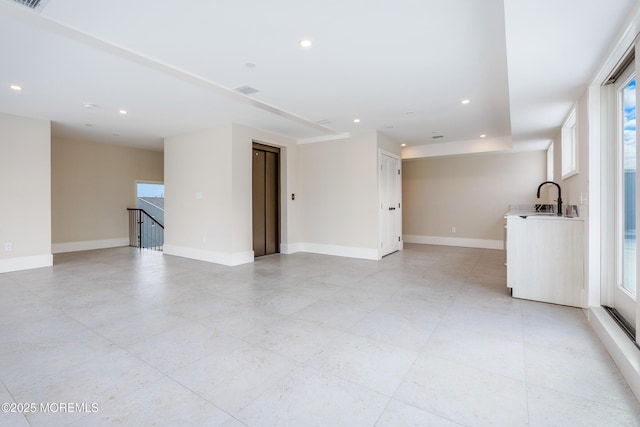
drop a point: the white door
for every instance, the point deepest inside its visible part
(390, 188)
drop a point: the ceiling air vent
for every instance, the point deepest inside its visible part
(437, 136)
(323, 122)
(36, 5)
(247, 90)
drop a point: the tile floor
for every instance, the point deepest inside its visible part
(426, 336)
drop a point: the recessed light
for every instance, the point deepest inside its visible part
(466, 101)
(356, 120)
(483, 136)
(123, 112)
(403, 145)
(88, 105)
(306, 43)
(16, 87)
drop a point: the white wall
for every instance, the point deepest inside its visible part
(243, 138)
(92, 186)
(338, 193)
(575, 185)
(25, 191)
(208, 193)
(198, 189)
(470, 193)
(575, 189)
(388, 144)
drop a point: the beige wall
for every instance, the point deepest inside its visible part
(208, 193)
(470, 193)
(93, 185)
(25, 191)
(198, 192)
(339, 195)
(243, 138)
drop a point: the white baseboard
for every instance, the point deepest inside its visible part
(25, 263)
(622, 351)
(230, 259)
(344, 251)
(89, 245)
(289, 248)
(454, 241)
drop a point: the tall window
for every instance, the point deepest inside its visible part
(550, 162)
(628, 185)
(569, 146)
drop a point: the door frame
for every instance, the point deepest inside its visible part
(398, 189)
(259, 145)
(610, 162)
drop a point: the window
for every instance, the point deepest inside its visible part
(619, 201)
(627, 182)
(550, 162)
(569, 146)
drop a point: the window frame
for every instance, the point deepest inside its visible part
(569, 145)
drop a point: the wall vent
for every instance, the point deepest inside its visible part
(36, 5)
(247, 90)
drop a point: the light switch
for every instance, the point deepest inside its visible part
(199, 195)
(8, 247)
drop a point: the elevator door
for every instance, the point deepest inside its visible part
(266, 215)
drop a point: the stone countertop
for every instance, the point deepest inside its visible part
(533, 211)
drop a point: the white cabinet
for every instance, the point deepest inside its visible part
(545, 258)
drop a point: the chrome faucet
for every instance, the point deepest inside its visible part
(559, 195)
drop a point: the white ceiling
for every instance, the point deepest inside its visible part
(400, 66)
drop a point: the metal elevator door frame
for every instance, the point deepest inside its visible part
(266, 199)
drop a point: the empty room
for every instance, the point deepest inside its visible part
(285, 213)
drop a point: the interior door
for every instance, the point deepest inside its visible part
(266, 200)
(390, 203)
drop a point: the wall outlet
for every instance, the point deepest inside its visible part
(453, 229)
(8, 247)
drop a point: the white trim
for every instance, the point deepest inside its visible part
(454, 241)
(89, 245)
(381, 231)
(290, 248)
(625, 355)
(315, 139)
(230, 259)
(25, 263)
(596, 215)
(622, 46)
(344, 251)
(569, 144)
(455, 148)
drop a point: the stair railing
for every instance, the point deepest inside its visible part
(145, 232)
